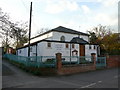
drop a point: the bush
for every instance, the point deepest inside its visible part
(49, 61)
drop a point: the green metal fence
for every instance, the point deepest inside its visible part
(100, 62)
(76, 60)
(33, 61)
(50, 61)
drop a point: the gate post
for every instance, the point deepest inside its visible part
(59, 60)
(93, 55)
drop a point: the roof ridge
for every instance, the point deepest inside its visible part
(72, 30)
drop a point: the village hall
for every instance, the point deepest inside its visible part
(62, 40)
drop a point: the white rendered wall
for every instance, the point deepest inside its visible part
(33, 51)
(24, 52)
(68, 37)
(45, 36)
(84, 37)
(89, 51)
(43, 50)
(57, 35)
(56, 47)
(39, 49)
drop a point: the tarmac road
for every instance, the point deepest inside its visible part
(14, 77)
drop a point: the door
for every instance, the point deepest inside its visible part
(82, 50)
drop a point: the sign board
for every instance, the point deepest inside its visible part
(59, 47)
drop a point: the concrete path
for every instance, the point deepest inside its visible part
(14, 77)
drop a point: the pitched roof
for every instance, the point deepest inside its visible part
(78, 40)
(63, 29)
(67, 30)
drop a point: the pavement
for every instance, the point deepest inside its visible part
(13, 77)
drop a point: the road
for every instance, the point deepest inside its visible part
(14, 77)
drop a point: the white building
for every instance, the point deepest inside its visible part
(66, 41)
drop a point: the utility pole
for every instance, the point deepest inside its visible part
(30, 29)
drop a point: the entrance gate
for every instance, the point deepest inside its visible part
(100, 62)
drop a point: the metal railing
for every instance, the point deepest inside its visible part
(100, 62)
(51, 61)
(33, 61)
(76, 60)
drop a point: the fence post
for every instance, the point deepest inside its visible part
(59, 60)
(93, 55)
(78, 60)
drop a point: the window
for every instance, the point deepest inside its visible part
(73, 46)
(89, 46)
(94, 47)
(19, 51)
(49, 44)
(67, 46)
(62, 38)
(30, 49)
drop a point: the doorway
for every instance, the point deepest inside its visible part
(82, 50)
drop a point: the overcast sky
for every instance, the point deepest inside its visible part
(80, 15)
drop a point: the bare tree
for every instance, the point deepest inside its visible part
(42, 30)
(19, 33)
(4, 29)
(10, 30)
(101, 30)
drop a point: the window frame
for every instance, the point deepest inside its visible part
(30, 49)
(90, 47)
(48, 44)
(66, 45)
(62, 38)
(19, 51)
(73, 45)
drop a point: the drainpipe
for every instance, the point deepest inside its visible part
(36, 52)
(70, 53)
